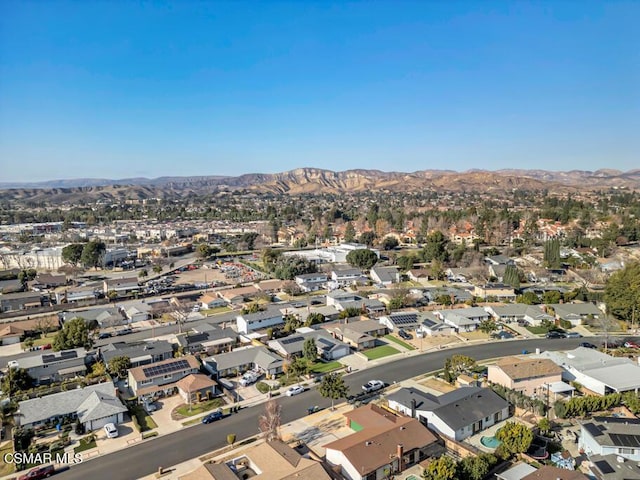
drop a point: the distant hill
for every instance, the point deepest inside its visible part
(315, 180)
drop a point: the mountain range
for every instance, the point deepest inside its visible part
(315, 180)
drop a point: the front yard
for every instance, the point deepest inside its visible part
(141, 418)
(185, 410)
(325, 367)
(86, 443)
(393, 339)
(5, 467)
(380, 352)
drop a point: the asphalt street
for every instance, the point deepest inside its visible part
(145, 458)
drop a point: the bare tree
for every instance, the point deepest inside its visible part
(269, 421)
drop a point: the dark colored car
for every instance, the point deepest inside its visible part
(404, 334)
(212, 417)
(37, 473)
(587, 345)
(104, 335)
(555, 334)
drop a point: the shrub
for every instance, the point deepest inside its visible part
(262, 387)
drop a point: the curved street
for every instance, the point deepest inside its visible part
(145, 458)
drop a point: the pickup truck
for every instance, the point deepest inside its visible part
(249, 378)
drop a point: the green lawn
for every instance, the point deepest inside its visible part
(380, 352)
(86, 443)
(43, 340)
(144, 419)
(538, 330)
(197, 408)
(5, 467)
(391, 338)
(325, 367)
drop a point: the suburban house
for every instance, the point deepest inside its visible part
(509, 313)
(458, 414)
(138, 353)
(524, 471)
(385, 275)
(102, 316)
(596, 371)
(383, 445)
(611, 436)
(274, 460)
(459, 295)
(401, 320)
(94, 406)
(208, 339)
(329, 348)
(196, 387)
(613, 467)
(311, 282)
(10, 334)
(459, 323)
(346, 276)
(575, 313)
(11, 286)
(271, 286)
(527, 375)
(236, 296)
(342, 300)
(11, 302)
(329, 312)
(48, 280)
(56, 366)
(243, 359)
(432, 325)
(535, 316)
(122, 286)
(137, 312)
(420, 275)
(499, 260)
(159, 379)
(77, 294)
(211, 300)
(499, 291)
(360, 334)
(248, 322)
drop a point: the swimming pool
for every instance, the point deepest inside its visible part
(490, 442)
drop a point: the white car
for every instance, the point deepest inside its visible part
(13, 364)
(111, 430)
(372, 386)
(295, 390)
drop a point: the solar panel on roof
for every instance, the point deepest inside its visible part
(287, 341)
(625, 440)
(604, 467)
(156, 370)
(69, 354)
(592, 429)
(48, 358)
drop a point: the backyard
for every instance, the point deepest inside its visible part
(380, 352)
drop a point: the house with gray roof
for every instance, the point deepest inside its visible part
(11, 302)
(611, 436)
(346, 276)
(329, 348)
(613, 467)
(248, 322)
(311, 282)
(458, 414)
(459, 322)
(104, 317)
(46, 368)
(430, 324)
(360, 334)
(460, 295)
(535, 316)
(508, 313)
(211, 341)
(395, 321)
(385, 275)
(94, 406)
(139, 353)
(575, 313)
(243, 359)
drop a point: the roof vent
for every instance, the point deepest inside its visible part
(367, 443)
(403, 428)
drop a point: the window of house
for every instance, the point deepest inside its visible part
(625, 451)
(168, 376)
(145, 382)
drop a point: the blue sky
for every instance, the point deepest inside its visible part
(121, 89)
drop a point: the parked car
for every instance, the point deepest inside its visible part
(404, 334)
(13, 364)
(555, 334)
(39, 472)
(631, 344)
(111, 430)
(294, 390)
(572, 335)
(587, 345)
(249, 378)
(212, 417)
(502, 335)
(104, 335)
(372, 386)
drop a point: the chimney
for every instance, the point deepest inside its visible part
(400, 455)
(413, 408)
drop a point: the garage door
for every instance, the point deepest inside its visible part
(98, 424)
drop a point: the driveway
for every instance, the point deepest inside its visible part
(162, 416)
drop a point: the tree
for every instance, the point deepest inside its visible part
(203, 251)
(349, 232)
(291, 323)
(476, 468)
(269, 421)
(405, 262)
(74, 334)
(488, 326)
(231, 438)
(119, 366)
(297, 367)
(27, 275)
(544, 425)
(93, 253)
(309, 350)
(552, 253)
(15, 380)
(349, 312)
(528, 298)
(515, 437)
(511, 276)
(333, 387)
(314, 318)
(367, 238)
(461, 364)
(143, 273)
(390, 242)
(622, 293)
(362, 258)
(72, 253)
(98, 370)
(436, 247)
(443, 468)
(157, 268)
